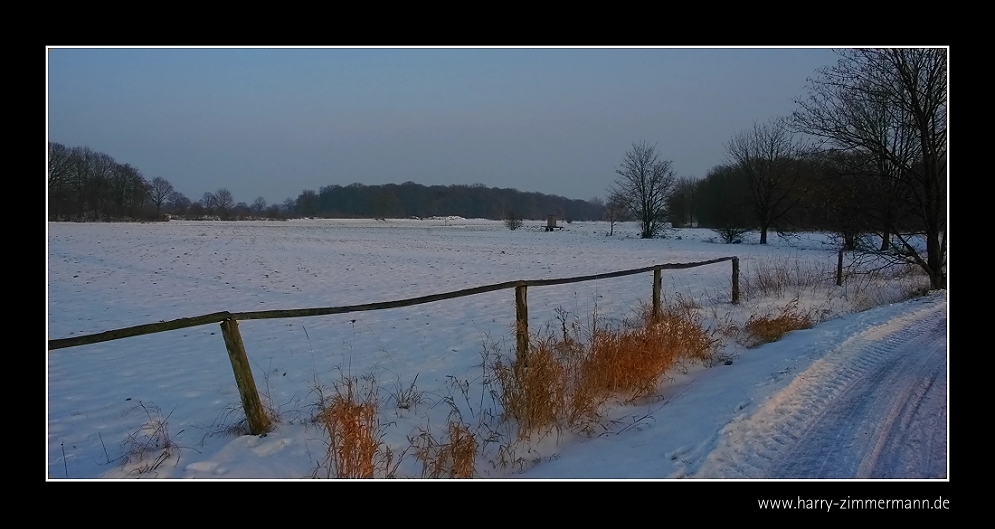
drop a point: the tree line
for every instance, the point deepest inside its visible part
(812, 191)
(415, 200)
(86, 185)
(863, 156)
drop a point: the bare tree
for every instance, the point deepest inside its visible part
(891, 104)
(681, 204)
(178, 203)
(128, 191)
(159, 191)
(59, 172)
(241, 211)
(307, 203)
(91, 185)
(80, 178)
(225, 201)
(724, 204)
(766, 157)
(100, 167)
(289, 207)
(616, 210)
(89, 175)
(273, 212)
(219, 203)
(209, 202)
(645, 183)
(843, 197)
(259, 206)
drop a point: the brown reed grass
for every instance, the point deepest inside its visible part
(350, 418)
(767, 328)
(565, 381)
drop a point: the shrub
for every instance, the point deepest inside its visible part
(513, 221)
(766, 329)
(731, 234)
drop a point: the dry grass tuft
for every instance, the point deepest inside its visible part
(406, 398)
(766, 329)
(152, 437)
(350, 417)
(565, 381)
(534, 392)
(774, 277)
(628, 362)
(231, 421)
(462, 450)
(453, 458)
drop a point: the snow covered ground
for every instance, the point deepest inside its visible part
(863, 394)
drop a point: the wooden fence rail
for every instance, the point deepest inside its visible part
(258, 423)
(138, 330)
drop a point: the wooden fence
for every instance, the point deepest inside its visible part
(258, 423)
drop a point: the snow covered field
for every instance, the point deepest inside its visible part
(730, 421)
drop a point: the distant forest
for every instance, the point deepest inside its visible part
(88, 185)
(415, 200)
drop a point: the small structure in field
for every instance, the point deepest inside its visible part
(551, 223)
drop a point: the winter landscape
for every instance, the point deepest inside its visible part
(860, 394)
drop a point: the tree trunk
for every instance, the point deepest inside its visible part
(937, 279)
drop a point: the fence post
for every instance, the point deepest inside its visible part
(735, 280)
(839, 270)
(521, 325)
(657, 287)
(258, 422)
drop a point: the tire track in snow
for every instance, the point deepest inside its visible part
(911, 441)
(874, 407)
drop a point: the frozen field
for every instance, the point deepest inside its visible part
(106, 276)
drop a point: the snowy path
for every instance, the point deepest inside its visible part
(874, 407)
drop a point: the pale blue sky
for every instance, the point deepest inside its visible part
(273, 122)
